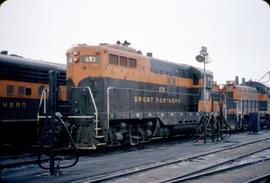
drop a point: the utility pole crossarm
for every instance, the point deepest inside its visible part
(267, 73)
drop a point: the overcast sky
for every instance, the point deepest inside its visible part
(236, 32)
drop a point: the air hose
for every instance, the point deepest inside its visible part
(59, 117)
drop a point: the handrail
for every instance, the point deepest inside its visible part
(94, 104)
(42, 98)
(108, 106)
(225, 109)
(95, 107)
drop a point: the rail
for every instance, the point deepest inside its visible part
(263, 178)
(222, 167)
(199, 175)
(16, 161)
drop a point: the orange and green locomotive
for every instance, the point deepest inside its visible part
(243, 99)
(119, 96)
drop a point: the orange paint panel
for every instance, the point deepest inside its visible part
(34, 89)
(208, 106)
(62, 95)
(78, 71)
(216, 107)
(263, 97)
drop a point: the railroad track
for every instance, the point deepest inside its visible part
(218, 169)
(27, 159)
(17, 160)
(256, 146)
(263, 178)
(13, 161)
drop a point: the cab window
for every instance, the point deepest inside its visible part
(132, 62)
(21, 91)
(28, 91)
(10, 90)
(113, 59)
(123, 61)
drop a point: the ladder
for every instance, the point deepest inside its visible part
(98, 129)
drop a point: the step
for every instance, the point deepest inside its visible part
(136, 137)
(98, 128)
(99, 136)
(102, 144)
(93, 147)
(79, 117)
(64, 106)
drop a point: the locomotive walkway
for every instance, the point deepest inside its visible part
(93, 166)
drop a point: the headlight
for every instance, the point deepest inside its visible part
(75, 59)
(75, 53)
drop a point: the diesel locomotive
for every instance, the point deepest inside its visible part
(243, 99)
(22, 81)
(119, 96)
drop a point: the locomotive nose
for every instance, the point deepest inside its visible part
(73, 56)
